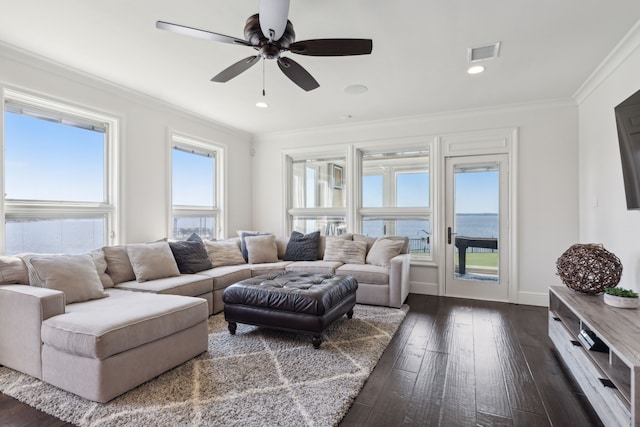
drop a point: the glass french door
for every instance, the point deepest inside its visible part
(476, 227)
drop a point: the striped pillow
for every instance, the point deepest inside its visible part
(345, 251)
(224, 252)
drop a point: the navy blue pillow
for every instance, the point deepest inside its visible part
(191, 255)
(302, 247)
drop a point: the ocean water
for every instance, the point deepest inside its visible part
(468, 225)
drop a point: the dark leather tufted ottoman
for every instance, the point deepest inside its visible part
(297, 302)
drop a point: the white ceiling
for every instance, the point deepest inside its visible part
(418, 64)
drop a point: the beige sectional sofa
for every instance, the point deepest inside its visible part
(103, 339)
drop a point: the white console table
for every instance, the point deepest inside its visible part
(610, 378)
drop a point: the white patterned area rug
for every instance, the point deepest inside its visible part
(259, 377)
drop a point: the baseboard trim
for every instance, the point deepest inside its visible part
(533, 298)
(423, 288)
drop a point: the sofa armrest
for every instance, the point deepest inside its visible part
(23, 308)
(399, 279)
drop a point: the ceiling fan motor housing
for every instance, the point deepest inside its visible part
(268, 49)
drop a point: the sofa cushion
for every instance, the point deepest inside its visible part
(101, 267)
(303, 247)
(191, 255)
(152, 261)
(345, 251)
(383, 250)
(74, 275)
(321, 267)
(13, 270)
(101, 328)
(271, 267)
(261, 249)
(227, 275)
(365, 273)
(118, 264)
(224, 252)
(190, 285)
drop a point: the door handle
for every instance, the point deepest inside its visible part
(449, 235)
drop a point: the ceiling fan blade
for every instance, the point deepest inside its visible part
(236, 69)
(297, 74)
(332, 47)
(202, 34)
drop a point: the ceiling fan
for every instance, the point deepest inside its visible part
(271, 33)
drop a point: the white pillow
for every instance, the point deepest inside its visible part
(75, 275)
(345, 251)
(383, 250)
(224, 252)
(262, 249)
(152, 261)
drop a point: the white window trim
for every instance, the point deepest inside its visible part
(220, 196)
(52, 209)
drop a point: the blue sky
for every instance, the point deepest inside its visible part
(477, 192)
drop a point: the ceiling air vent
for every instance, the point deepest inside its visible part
(483, 53)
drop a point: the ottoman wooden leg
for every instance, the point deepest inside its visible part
(316, 341)
(232, 327)
(350, 314)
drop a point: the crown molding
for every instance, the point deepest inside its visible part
(623, 50)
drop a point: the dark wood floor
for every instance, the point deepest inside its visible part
(453, 362)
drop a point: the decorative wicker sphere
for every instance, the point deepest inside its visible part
(589, 268)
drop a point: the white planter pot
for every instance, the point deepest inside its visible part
(620, 302)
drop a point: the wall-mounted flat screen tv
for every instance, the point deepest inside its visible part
(628, 123)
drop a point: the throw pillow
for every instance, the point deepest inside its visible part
(191, 255)
(224, 252)
(101, 267)
(404, 240)
(118, 264)
(345, 251)
(383, 250)
(303, 247)
(243, 243)
(13, 270)
(152, 261)
(262, 249)
(75, 275)
(368, 240)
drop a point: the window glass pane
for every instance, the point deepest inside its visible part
(52, 161)
(372, 191)
(412, 189)
(318, 184)
(328, 226)
(397, 179)
(185, 226)
(70, 235)
(417, 230)
(193, 180)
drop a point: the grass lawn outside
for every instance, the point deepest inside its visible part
(481, 259)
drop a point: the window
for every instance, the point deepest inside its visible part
(317, 195)
(59, 177)
(195, 188)
(396, 197)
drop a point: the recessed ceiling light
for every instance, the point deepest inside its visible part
(261, 104)
(476, 69)
(356, 89)
(346, 116)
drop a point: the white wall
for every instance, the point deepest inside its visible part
(604, 217)
(145, 125)
(547, 181)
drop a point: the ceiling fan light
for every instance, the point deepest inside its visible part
(273, 16)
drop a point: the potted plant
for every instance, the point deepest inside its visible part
(621, 298)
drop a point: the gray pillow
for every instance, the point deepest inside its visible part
(243, 242)
(262, 249)
(13, 270)
(302, 247)
(345, 251)
(101, 267)
(368, 240)
(118, 264)
(191, 255)
(383, 250)
(74, 275)
(152, 261)
(224, 252)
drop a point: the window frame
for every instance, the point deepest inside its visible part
(217, 211)
(28, 209)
